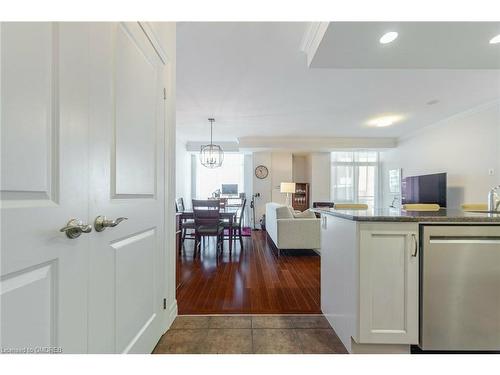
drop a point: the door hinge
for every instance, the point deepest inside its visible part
(164, 303)
(164, 93)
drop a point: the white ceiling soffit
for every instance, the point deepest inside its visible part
(313, 144)
(254, 79)
(419, 45)
(226, 146)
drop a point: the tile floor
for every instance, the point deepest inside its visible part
(260, 334)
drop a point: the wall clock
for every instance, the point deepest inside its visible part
(261, 172)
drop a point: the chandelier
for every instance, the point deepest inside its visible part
(211, 156)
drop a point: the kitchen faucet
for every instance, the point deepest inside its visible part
(493, 200)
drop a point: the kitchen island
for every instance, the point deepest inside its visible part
(371, 266)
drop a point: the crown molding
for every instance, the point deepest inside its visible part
(468, 112)
(154, 40)
(313, 144)
(312, 39)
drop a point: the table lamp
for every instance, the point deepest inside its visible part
(288, 188)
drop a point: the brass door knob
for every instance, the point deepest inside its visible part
(101, 223)
(75, 227)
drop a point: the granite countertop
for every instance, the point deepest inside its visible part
(396, 214)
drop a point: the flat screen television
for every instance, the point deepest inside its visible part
(229, 189)
(430, 188)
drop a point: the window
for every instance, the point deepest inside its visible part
(207, 180)
(354, 177)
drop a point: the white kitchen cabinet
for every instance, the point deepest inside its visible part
(388, 283)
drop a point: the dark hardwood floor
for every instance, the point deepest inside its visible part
(251, 280)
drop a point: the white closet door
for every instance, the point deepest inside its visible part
(127, 179)
(44, 183)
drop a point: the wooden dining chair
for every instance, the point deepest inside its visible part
(238, 223)
(223, 203)
(207, 222)
(186, 224)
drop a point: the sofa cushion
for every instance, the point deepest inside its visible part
(284, 212)
(307, 214)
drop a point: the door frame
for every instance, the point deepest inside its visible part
(169, 254)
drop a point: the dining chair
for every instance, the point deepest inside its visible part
(223, 203)
(207, 222)
(238, 223)
(186, 224)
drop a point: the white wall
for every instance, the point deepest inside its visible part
(282, 167)
(262, 186)
(465, 146)
(320, 170)
(299, 168)
(183, 173)
(313, 168)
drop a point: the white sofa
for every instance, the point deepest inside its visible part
(290, 232)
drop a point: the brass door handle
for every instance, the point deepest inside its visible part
(101, 223)
(75, 227)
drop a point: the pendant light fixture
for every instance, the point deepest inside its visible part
(211, 156)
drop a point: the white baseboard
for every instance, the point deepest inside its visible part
(172, 314)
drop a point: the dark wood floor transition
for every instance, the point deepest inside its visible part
(251, 280)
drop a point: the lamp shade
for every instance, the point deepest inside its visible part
(287, 187)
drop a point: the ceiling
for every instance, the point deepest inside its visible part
(255, 80)
(420, 45)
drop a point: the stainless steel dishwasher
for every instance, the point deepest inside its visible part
(460, 287)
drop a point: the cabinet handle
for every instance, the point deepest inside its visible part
(415, 243)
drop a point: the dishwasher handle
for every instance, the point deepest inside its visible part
(465, 239)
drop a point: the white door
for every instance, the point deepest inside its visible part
(127, 179)
(83, 135)
(44, 183)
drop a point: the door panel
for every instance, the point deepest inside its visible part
(127, 109)
(135, 284)
(44, 175)
(29, 79)
(136, 78)
(19, 325)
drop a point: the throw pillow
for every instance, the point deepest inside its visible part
(307, 214)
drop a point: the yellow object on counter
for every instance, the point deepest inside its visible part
(350, 206)
(475, 207)
(421, 207)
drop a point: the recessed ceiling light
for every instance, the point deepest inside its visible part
(495, 39)
(388, 37)
(383, 121)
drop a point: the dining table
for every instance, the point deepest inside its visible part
(225, 214)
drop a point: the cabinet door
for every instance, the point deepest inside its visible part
(388, 298)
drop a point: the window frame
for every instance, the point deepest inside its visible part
(355, 173)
